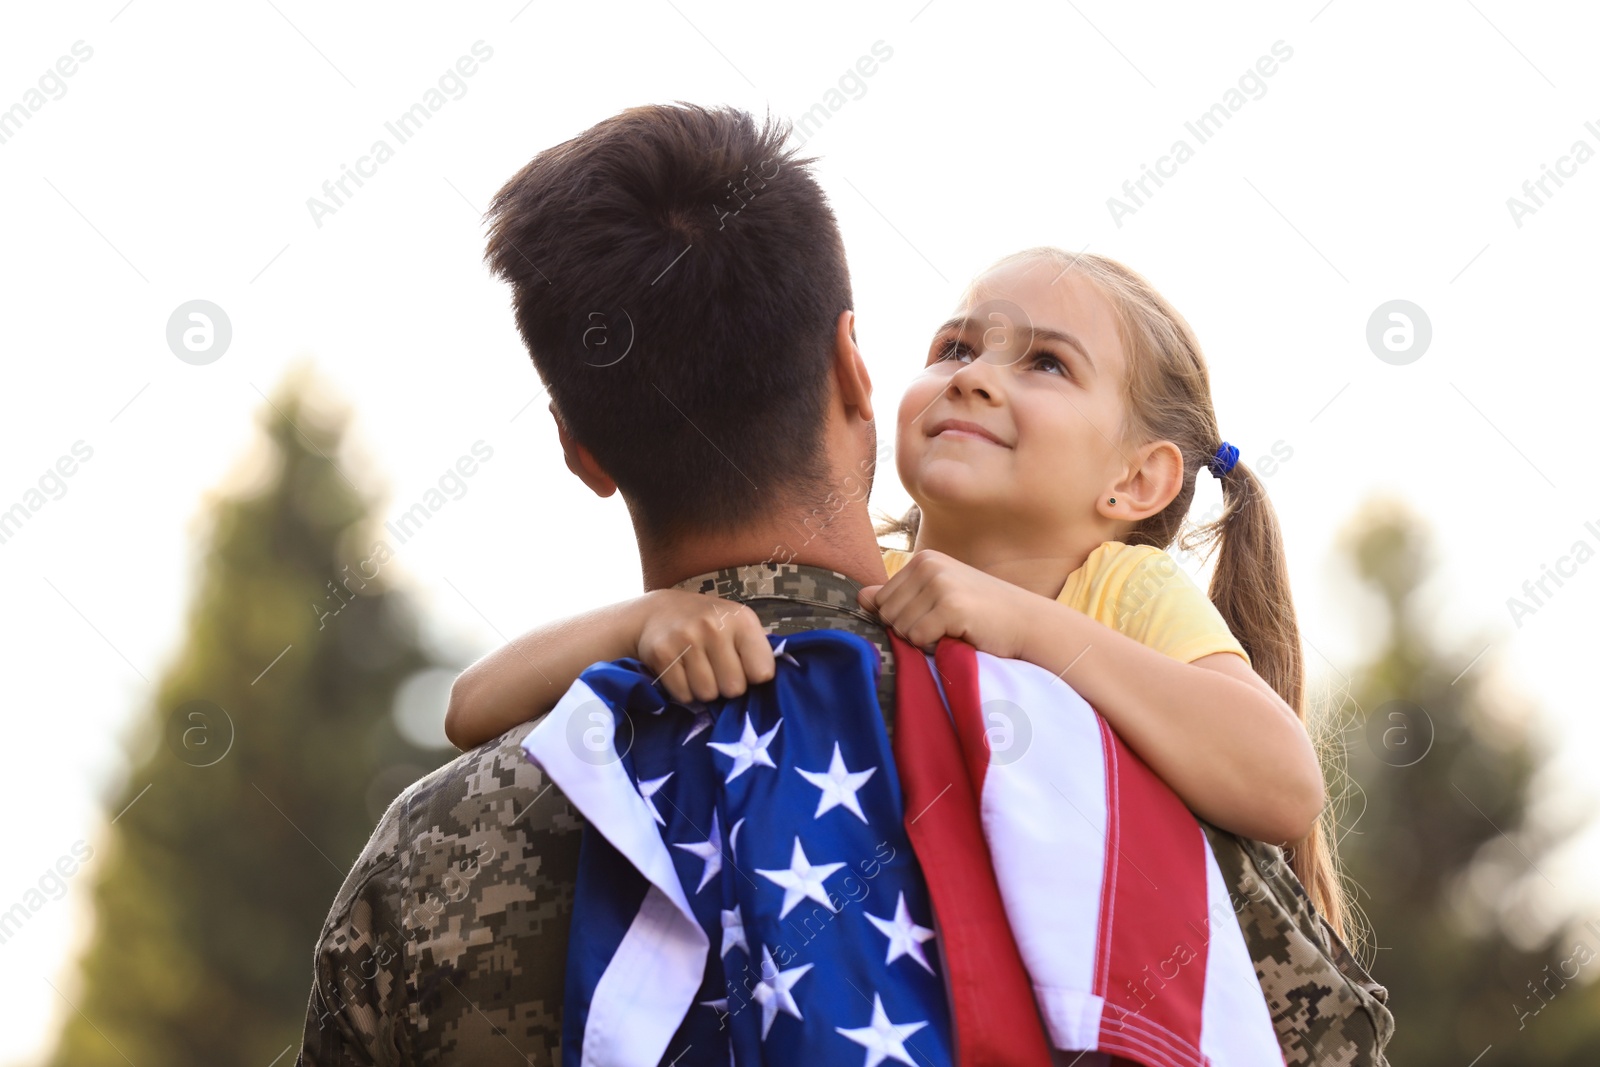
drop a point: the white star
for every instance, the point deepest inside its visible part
(838, 785)
(720, 1005)
(780, 653)
(733, 931)
(773, 992)
(709, 851)
(702, 721)
(883, 1039)
(749, 749)
(649, 789)
(733, 840)
(802, 880)
(905, 937)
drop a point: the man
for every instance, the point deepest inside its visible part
(681, 284)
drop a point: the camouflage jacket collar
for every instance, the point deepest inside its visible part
(793, 582)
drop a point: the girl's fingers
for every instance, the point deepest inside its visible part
(868, 597)
(755, 654)
(921, 622)
(893, 596)
(726, 665)
(675, 683)
(702, 679)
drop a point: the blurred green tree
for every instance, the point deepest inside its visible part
(262, 765)
(1437, 838)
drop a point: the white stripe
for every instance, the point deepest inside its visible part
(1044, 815)
(650, 983)
(637, 1006)
(1235, 1023)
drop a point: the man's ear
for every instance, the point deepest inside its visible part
(1151, 485)
(580, 462)
(849, 369)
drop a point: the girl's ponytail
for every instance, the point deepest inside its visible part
(1250, 585)
(1250, 588)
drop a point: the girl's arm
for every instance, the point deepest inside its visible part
(1213, 730)
(699, 647)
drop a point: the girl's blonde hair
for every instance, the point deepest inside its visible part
(1168, 398)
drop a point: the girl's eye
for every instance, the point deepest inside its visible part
(1045, 361)
(952, 350)
(961, 352)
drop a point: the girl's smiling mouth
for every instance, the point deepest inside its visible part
(962, 428)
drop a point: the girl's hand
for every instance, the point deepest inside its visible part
(935, 595)
(701, 646)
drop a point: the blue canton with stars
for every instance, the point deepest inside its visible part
(783, 815)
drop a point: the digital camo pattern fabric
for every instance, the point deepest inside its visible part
(447, 942)
(1327, 1010)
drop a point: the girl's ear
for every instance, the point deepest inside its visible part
(1151, 485)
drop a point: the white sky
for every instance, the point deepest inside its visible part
(177, 164)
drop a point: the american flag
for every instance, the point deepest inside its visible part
(758, 880)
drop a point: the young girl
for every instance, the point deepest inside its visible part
(1052, 445)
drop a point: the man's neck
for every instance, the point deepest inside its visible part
(842, 541)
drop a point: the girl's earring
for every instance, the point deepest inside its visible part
(1113, 500)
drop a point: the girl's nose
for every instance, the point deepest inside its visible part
(975, 377)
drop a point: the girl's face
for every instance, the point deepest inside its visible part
(1016, 420)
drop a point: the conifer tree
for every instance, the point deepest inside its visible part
(266, 754)
(1438, 840)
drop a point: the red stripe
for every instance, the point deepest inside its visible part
(1156, 964)
(957, 663)
(1108, 877)
(996, 1021)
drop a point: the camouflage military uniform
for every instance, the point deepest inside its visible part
(1327, 1010)
(447, 942)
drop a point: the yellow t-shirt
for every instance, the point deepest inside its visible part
(1140, 592)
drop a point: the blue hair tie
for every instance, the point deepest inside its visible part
(1221, 463)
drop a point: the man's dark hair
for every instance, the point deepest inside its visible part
(677, 276)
